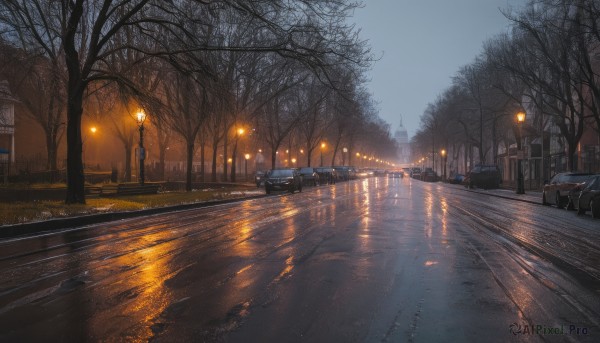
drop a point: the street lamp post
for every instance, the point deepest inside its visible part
(238, 133)
(322, 147)
(141, 117)
(443, 153)
(520, 181)
(93, 130)
(246, 158)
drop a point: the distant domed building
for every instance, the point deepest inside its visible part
(401, 137)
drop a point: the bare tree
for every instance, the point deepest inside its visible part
(38, 83)
(85, 31)
(544, 34)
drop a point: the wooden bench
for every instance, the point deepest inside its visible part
(130, 189)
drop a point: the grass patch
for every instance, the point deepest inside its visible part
(23, 212)
(33, 186)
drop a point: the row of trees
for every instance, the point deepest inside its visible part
(548, 65)
(292, 70)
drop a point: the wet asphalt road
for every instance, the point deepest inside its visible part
(374, 260)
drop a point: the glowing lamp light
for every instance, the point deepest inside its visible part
(141, 117)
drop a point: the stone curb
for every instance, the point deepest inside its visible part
(17, 230)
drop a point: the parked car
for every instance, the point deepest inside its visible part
(327, 174)
(345, 173)
(456, 179)
(416, 173)
(362, 173)
(283, 180)
(260, 177)
(557, 190)
(586, 196)
(309, 176)
(483, 176)
(429, 175)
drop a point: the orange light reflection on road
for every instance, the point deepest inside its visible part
(289, 266)
(429, 214)
(444, 204)
(244, 247)
(146, 270)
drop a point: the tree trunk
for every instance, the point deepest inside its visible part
(213, 176)
(161, 163)
(75, 88)
(233, 158)
(51, 150)
(571, 149)
(75, 176)
(335, 150)
(188, 173)
(225, 158)
(128, 151)
(202, 157)
(309, 152)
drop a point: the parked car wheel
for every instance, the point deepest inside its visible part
(544, 201)
(595, 206)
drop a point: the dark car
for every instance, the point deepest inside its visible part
(586, 196)
(429, 175)
(309, 176)
(416, 173)
(327, 174)
(259, 178)
(483, 176)
(345, 173)
(557, 190)
(283, 180)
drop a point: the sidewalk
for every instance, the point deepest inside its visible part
(533, 197)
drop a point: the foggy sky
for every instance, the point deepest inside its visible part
(422, 44)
